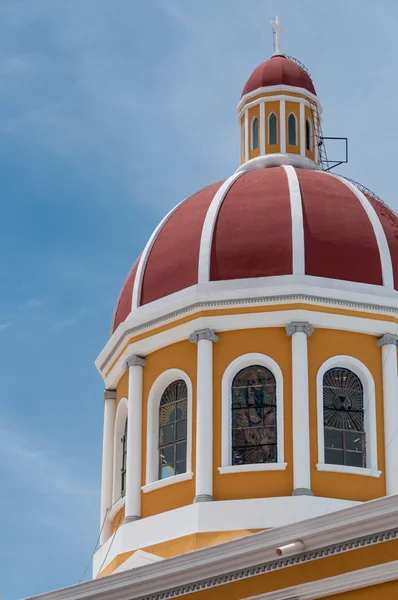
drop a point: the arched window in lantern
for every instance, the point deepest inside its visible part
(292, 130)
(254, 432)
(272, 129)
(344, 418)
(172, 445)
(255, 133)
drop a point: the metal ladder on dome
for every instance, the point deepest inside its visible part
(318, 136)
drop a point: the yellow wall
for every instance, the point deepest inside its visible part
(271, 107)
(323, 344)
(177, 356)
(293, 107)
(275, 343)
(254, 111)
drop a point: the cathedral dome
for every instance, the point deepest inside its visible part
(279, 70)
(261, 225)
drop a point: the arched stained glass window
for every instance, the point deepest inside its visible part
(255, 133)
(344, 423)
(254, 436)
(124, 461)
(308, 135)
(173, 430)
(272, 129)
(292, 130)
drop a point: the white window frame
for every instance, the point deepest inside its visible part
(268, 123)
(120, 423)
(152, 481)
(369, 403)
(252, 133)
(295, 120)
(248, 360)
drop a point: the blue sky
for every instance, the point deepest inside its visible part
(110, 113)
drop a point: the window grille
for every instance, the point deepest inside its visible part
(173, 430)
(254, 436)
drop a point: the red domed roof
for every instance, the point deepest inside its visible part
(267, 223)
(278, 70)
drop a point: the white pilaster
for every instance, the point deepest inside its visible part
(107, 462)
(282, 126)
(204, 338)
(262, 127)
(246, 134)
(135, 365)
(299, 331)
(388, 343)
(302, 129)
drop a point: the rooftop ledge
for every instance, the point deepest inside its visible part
(278, 160)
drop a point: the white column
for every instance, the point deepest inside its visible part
(135, 365)
(204, 338)
(246, 134)
(299, 331)
(388, 343)
(107, 462)
(302, 129)
(262, 127)
(282, 126)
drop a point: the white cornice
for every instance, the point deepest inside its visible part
(343, 531)
(278, 88)
(218, 295)
(353, 580)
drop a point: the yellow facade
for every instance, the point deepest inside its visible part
(273, 342)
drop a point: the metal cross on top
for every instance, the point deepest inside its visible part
(277, 30)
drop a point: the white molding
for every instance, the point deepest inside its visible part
(328, 587)
(274, 98)
(136, 296)
(140, 558)
(246, 134)
(161, 483)
(369, 402)
(282, 125)
(120, 422)
(382, 244)
(262, 127)
(152, 435)
(348, 470)
(249, 320)
(302, 129)
(206, 239)
(279, 515)
(296, 208)
(247, 360)
(276, 159)
(233, 469)
(277, 89)
(116, 506)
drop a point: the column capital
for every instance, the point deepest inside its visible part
(134, 361)
(109, 394)
(203, 334)
(387, 338)
(299, 327)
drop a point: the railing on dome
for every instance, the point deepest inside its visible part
(385, 210)
(326, 164)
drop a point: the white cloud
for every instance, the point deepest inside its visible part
(4, 326)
